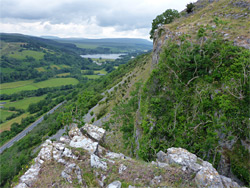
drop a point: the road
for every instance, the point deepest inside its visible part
(27, 130)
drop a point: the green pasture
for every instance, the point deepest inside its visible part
(24, 103)
(6, 125)
(14, 87)
(92, 76)
(22, 55)
(101, 72)
(4, 114)
(63, 74)
(40, 69)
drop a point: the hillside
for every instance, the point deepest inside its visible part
(180, 114)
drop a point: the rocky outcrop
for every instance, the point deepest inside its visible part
(73, 153)
(205, 173)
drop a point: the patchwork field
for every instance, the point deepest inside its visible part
(24, 104)
(4, 114)
(63, 74)
(6, 126)
(92, 76)
(14, 87)
(24, 53)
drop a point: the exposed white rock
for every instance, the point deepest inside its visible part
(228, 183)
(74, 132)
(65, 139)
(182, 157)
(59, 146)
(31, 175)
(56, 154)
(69, 170)
(96, 162)
(21, 185)
(122, 168)
(113, 155)
(68, 153)
(46, 152)
(208, 177)
(85, 143)
(206, 174)
(94, 132)
(115, 184)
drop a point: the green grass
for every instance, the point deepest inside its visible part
(55, 66)
(88, 46)
(92, 76)
(100, 71)
(6, 70)
(14, 87)
(40, 69)
(63, 74)
(6, 125)
(24, 104)
(15, 84)
(24, 53)
(4, 114)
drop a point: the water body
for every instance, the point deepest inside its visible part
(103, 56)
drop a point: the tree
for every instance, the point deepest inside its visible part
(190, 7)
(165, 18)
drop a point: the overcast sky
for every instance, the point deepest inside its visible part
(83, 18)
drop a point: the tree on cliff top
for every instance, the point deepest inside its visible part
(165, 18)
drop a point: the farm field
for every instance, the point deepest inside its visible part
(24, 103)
(4, 114)
(63, 74)
(14, 87)
(101, 72)
(6, 125)
(24, 53)
(92, 76)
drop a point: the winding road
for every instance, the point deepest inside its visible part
(27, 130)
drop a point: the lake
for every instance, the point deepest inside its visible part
(103, 56)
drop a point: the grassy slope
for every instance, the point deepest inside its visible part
(222, 9)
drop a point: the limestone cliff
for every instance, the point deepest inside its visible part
(80, 160)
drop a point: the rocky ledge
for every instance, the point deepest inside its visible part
(80, 160)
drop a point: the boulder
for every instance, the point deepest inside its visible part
(206, 174)
(84, 143)
(208, 177)
(94, 132)
(96, 162)
(115, 184)
(74, 132)
(228, 183)
(182, 157)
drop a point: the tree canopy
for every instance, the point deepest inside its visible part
(165, 18)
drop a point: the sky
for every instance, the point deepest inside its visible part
(83, 18)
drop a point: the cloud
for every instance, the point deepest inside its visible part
(88, 17)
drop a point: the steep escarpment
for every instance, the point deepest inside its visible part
(197, 96)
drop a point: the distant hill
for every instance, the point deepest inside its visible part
(114, 45)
